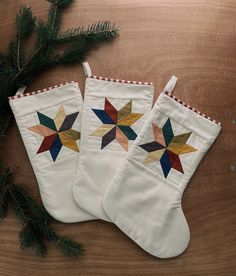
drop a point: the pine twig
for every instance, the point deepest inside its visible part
(35, 220)
(69, 247)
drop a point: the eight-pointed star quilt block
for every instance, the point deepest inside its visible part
(166, 146)
(115, 124)
(56, 132)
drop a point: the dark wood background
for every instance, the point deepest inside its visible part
(196, 41)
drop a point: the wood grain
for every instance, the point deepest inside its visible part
(196, 41)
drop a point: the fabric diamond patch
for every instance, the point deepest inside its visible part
(57, 132)
(167, 147)
(116, 124)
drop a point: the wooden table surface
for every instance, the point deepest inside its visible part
(196, 41)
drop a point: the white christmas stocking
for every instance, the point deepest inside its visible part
(144, 197)
(113, 114)
(49, 123)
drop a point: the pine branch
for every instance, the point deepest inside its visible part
(18, 204)
(36, 229)
(69, 247)
(30, 238)
(24, 28)
(55, 12)
(98, 32)
(24, 22)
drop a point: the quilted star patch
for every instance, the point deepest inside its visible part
(57, 132)
(116, 124)
(166, 148)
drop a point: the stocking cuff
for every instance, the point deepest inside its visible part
(23, 104)
(113, 88)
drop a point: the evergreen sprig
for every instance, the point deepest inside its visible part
(18, 69)
(35, 220)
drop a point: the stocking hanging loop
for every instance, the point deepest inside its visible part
(21, 90)
(87, 69)
(170, 86)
